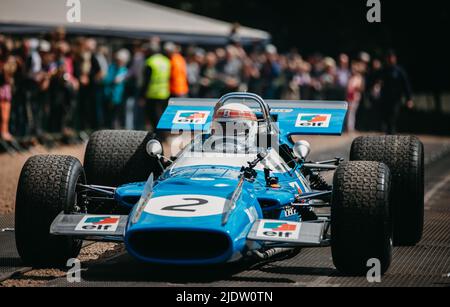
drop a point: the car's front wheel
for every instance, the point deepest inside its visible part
(361, 228)
(47, 187)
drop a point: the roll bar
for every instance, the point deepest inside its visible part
(265, 109)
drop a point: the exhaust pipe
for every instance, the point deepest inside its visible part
(271, 253)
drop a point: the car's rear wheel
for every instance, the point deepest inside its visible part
(405, 157)
(47, 187)
(361, 227)
(114, 158)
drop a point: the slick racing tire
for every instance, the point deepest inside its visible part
(47, 187)
(114, 158)
(361, 228)
(405, 157)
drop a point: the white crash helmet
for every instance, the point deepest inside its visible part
(235, 119)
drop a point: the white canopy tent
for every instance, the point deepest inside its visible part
(121, 18)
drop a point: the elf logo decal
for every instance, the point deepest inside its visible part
(191, 117)
(277, 229)
(280, 226)
(313, 120)
(186, 206)
(98, 223)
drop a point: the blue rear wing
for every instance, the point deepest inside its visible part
(292, 117)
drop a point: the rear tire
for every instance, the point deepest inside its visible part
(405, 157)
(47, 187)
(360, 220)
(114, 158)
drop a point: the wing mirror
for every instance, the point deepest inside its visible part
(154, 148)
(302, 149)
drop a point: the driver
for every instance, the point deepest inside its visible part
(234, 123)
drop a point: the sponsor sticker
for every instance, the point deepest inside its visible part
(99, 223)
(186, 206)
(289, 211)
(191, 117)
(279, 229)
(313, 120)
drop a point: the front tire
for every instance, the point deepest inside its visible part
(405, 157)
(47, 187)
(360, 219)
(114, 158)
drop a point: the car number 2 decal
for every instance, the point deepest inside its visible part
(186, 206)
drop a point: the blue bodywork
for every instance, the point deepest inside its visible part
(255, 201)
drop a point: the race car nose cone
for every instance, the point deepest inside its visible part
(180, 246)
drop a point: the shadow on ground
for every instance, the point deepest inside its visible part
(125, 269)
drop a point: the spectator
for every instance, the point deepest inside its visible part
(364, 60)
(7, 71)
(355, 89)
(64, 55)
(270, 71)
(88, 72)
(210, 84)
(103, 59)
(373, 92)
(155, 91)
(304, 80)
(34, 61)
(232, 69)
(62, 88)
(395, 87)
(19, 119)
(41, 113)
(251, 75)
(137, 66)
(317, 69)
(291, 89)
(59, 35)
(178, 75)
(135, 80)
(195, 60)
(328, 80)
(234, 37)
(343, 75)
(102, 56)
(115, 89)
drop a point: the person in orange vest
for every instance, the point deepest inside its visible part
(178, 76)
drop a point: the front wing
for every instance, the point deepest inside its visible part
(111, 228)
(296, 234)
(90, 227)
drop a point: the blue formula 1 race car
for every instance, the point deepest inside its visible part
(241, 189)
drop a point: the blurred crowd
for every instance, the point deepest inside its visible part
(63, 86)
